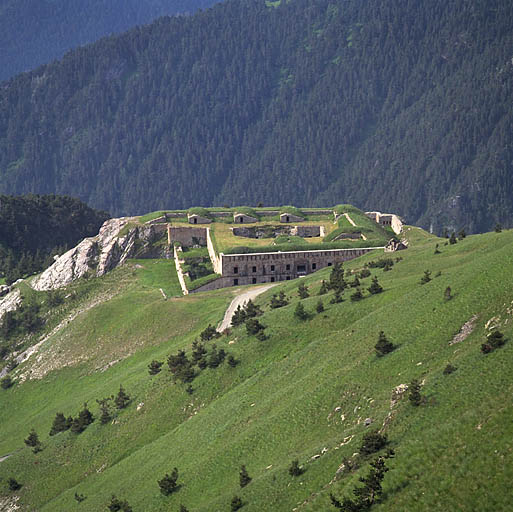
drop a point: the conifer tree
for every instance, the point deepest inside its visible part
(453, 240)
(239, 316)
(105, 412)
(79, 497)
(122, 398)
(183, 508)
(414, 395)
(198, 352)
(33, 441)
(155, 367)
(357, 295)
(375, 287)
(208, 333)
(232, 362)
(355, 282)
(295, 469)
(59, 424)
(300, 311)
(278, 301)
(337, 297)
(168, 484)
(337, 281)
(117, 505)
(426, 277)
(244, 477)
(302, 291)
(383, 345)
(320, 306)
(251, 310)
(253, 326)
(13, 484)
(324, 288)
(236, 504)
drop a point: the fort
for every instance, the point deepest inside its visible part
(274, 245)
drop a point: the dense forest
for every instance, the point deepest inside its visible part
(34, 228)
(390, 105)
(35, 32)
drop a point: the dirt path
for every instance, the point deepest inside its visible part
(5, 457)
(351, 221)
(240, 300)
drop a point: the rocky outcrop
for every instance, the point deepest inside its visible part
(10, 302)
(117, 240)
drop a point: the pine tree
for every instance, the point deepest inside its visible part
(278, 301)
(122, 398)
(357, 295)
(244, 477)
(155, 367)
(414, 395)
(383, 345)
(198, 352)
(300, 312)
(6, 382)
(253, 326)
(426, 277)
(462, 234)
(33, 441)
(355, 282)
(302, 291)
(337, 282)
(498, 228)
(365, 272)
(168, 484)
(447, 294)
(236, 504)
(375, 287)
(324, 288)
(295, 468)
(251, 310)
(79, 497)
(208, 333)
(239, 316)
(105, 412)
(337, 297)
(320, 306)
(372, 442)
(453, 240)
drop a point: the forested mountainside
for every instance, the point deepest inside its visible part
(35, 32)
(391, 105)
(33, 228)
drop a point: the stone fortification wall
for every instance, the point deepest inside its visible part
(186, 235)
(306, 231)
(271, 267)
(179, 272)
(387, 219)
(222, 282)
(317, 212)
(221, 214)
(214, 258)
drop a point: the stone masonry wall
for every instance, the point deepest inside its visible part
(186, 235)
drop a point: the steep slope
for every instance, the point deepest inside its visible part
(35, 32)
(381, 104)
(303, 393)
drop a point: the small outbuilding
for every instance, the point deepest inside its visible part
(242, 218)
(194, 218)
(289, 217)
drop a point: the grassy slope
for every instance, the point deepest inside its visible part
(279, 404)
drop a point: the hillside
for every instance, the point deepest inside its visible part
(390, 106)
(35, 32)
(304, 392)
(34, 228)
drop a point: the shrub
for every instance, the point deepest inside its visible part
(372, 442)
(236, 503)
(209, 333)
(244, 477)
(498, 228)
(79, 497)
(251, 310)
(13, 484)
(494, 340)
(452, 239)
(383, 345)
(117, 505)
(168, 483)
(414, 395)
(295, 469)
(238, 317)
(232, 362)
(105, 412)
(155, 367)
(324, 288)
(365, 272)
(357, 295)
(447, 294)
(320, 306)
(449, 369)
(6, 382)
(32, 439)
(337, 297)
(355, 282)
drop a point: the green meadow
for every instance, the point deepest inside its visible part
(303, 393)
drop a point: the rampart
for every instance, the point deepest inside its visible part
(187, 236)
(270, 267)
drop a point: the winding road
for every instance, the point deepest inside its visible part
(240, 300)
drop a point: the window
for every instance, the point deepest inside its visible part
(329, 263)
(272, 268)
(288, 278)
(314, 266)
(253, 280)
(288, 266)
(235, 270)
(235, 282)
(272, 279)
(254, 269)
(301, 268)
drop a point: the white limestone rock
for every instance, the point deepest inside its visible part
(10, 302)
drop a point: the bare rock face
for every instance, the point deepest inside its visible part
(98, 254)
(10, 302)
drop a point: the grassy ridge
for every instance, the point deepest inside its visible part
(279, 402)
